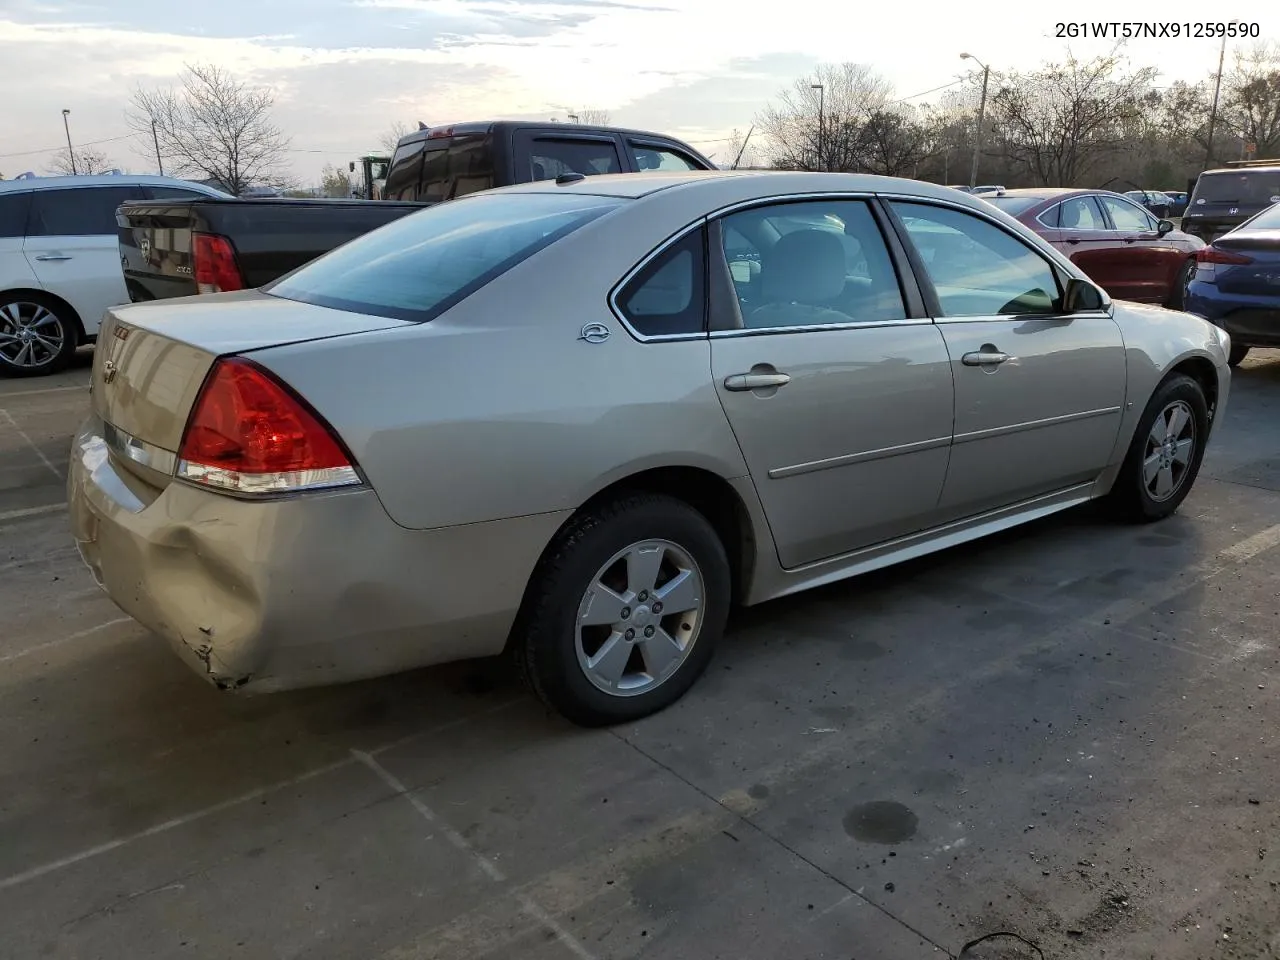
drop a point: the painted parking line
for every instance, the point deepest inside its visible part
(78, 635)
(42, 391)
(89, 853)
(24, 512)
(8, 418)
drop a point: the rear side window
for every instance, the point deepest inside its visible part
(1081, 213)
(669, 295)
(648, 157)
(402, 178)
(77, 212)
(13, 213)
(550, 158)
(417, 267)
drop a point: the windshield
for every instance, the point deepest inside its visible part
(419, 266)
(1255, 188)
(1013, 205)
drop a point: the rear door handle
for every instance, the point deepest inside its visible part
(53, 256)
(983, 358)
(739, 382)
(1073, 240)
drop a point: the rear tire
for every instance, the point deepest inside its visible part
(38, 335)
(1165, 454)
(631, 657)
(1237, 355)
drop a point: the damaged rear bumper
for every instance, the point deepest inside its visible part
(297, 591)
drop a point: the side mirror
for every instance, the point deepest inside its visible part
(1163, 227)
(1080, 296)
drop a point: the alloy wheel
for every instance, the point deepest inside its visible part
(1170, 447)
(640, 617)
(31, 335)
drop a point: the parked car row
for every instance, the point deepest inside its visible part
(72, 247)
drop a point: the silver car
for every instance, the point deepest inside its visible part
(577, 420)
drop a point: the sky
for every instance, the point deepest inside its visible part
(345, 70)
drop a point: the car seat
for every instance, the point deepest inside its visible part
(801, 277)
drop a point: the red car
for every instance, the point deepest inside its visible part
(1130, 253)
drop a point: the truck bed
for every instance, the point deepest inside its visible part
(268, 237)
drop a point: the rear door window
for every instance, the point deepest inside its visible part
(77, 211)
(1081, 213)
(648, 156)
(13, 213)
(417, 267)
(551, 157)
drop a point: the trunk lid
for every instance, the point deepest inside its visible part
(154, 238)
(152, 358)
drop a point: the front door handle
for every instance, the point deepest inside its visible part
(53, 256)
(983, 358)
(739, 382)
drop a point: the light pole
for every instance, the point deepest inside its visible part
(982, 112)
(156, 141)
(70, 153)
(822, 124)
(1213, 111)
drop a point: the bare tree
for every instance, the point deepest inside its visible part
(389, 140)
(591, 117)
(818, 123)
(1059, 122)
(1251, 110)
(895, 143)
(88, 161)
(335, 182)
(215, 127)
(739, 151)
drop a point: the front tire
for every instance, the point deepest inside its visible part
(1178, 295)
(624, 611)
(1165, 454)
(38, 335)
(1237, 355)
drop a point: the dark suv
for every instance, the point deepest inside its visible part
(1223, 199)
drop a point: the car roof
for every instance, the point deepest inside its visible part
(770, 182)
(1044, 193)
(103, 180)
(1261, 168)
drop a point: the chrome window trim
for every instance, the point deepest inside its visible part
(803, 327)
(139, 451)
(631, 274)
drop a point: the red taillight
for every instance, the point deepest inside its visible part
(214, 263)
(249, 433)
(1218, 255)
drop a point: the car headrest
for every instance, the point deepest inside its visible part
(807, 266)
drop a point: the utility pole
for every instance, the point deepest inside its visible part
(156, 141)
(982, 112)
(822, 124)
(70, 153)
(1213, 111)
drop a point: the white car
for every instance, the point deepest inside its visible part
(60, 264)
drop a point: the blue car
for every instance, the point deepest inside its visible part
(1236, 284)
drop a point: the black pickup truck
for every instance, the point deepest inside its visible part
(176, 248)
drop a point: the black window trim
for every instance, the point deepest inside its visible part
(1061, 274)
(911, 293)
(667, 146)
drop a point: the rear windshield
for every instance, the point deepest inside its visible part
(1267, 220)
(1013, 205)
(419, 266)
(1254, 188)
